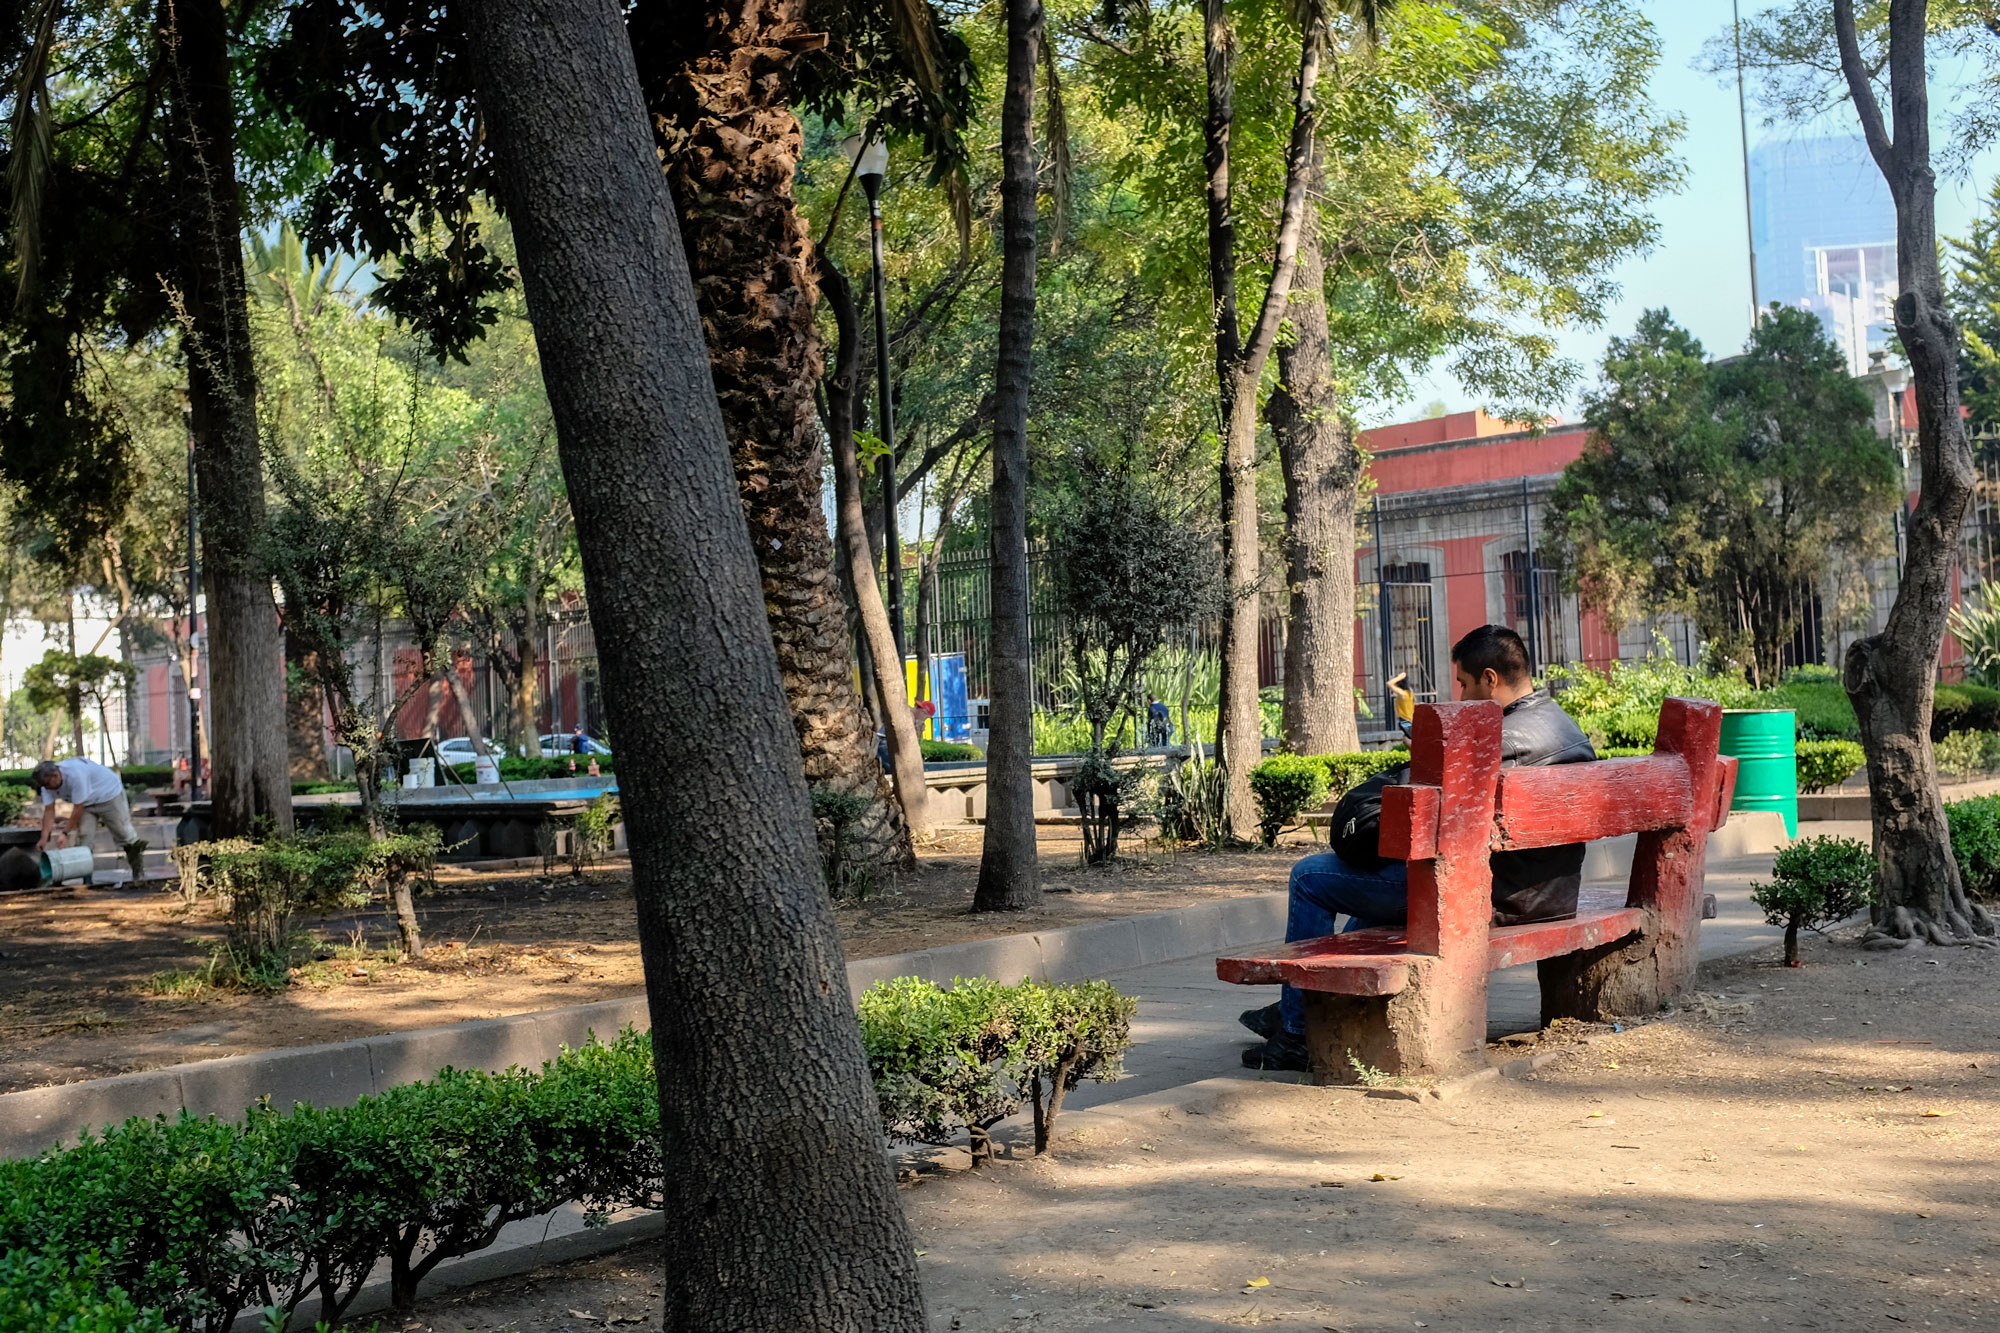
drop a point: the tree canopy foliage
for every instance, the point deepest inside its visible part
(1721, 489)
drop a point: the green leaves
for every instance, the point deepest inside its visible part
(1722, 489)
(1285, 785)
(1817, 880)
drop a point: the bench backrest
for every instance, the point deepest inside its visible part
(1460, 806)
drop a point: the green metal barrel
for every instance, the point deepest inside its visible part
(1763, 741)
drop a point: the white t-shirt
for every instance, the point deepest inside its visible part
(84, 783)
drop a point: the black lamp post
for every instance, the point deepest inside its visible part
(871, 164)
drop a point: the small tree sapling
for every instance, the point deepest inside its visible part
(1814, 882)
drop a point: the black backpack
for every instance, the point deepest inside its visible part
(1356, 831)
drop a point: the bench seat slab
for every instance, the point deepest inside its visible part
(1377, 962)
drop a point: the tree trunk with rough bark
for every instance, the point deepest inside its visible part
(906, 755)
(249, 770)
(1010, 877)
(528, 683)
(781, 1213)
(1891, 677)
(1321, 464)
(1239, 369)
(718, 78)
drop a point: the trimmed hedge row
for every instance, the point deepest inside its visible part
(195, 1219)
(1975, 843)
(1287, 785)
(159, 1226)
(949, 752)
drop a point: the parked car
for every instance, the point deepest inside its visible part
(558, 743)
(458, 750)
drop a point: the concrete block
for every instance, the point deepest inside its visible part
(491, 1044)
(33, 1120)
(1007, 958)
(1181, 933)
(1749, 833)
(574, 1024)
(865, 972)
(1253, 919)
(331, 1075)
(1610, 858)
(1075, 953)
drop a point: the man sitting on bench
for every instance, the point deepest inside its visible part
(1352, 880)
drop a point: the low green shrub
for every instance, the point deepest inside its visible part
(196, 1219)
(950, 752)
(1824, 764)
(13, 800)
(836, 814)
(43, 1295)
(1813, 882)
(1285, 785)
(1822, 708)
(1624, 751)
(1964, 708)
(965, 1058)
(1975, 842)
(1344, 772)
(1965, 754)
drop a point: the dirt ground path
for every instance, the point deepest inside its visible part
(82, 970)
(1798, 1149)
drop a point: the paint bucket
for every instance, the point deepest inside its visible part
(410, 782)
(1763, 741)
(426, 771)
(486, 770)
(64, 863)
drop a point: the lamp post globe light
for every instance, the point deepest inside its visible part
(870, 156)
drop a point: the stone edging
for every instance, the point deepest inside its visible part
(337, 1073)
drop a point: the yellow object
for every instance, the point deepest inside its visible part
(1406, 702)
(924, 724)
(1258, 1282)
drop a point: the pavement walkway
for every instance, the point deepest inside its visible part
(1186, 1029)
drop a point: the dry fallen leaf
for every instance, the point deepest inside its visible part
(1379, 1176)
(1258, 1282)
(1612, 1065)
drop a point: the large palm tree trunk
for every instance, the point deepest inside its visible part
(781, 1211)
(249, 771)
(1010, 877)
(1321, 466)
(718, 78)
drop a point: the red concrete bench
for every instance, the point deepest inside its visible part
(1413, 1001)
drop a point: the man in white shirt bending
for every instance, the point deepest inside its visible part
(86, 786)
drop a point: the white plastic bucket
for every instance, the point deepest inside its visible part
(410, 782)
(426, 772)
(486, 770)
(63, 863)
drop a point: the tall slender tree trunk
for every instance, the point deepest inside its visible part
(906, 755)
(1891, 677)
(1321, 465)
(528, 683)
(1010, 877)
(1239, 369)
(249, 770)
(781, 1211)
(718, 77)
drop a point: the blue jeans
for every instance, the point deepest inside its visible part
(1324, 887)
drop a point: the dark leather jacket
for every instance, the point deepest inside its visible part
(1540, 884)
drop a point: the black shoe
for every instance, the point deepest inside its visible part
(1283, 1051)
(1266, 1022)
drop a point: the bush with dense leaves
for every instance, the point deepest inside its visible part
(1285, 785)
(950, 752)
(13, 800)
(1975, 842)
(1964, 708)
(43, 1295)
(964, 1058)
(1824, 764)
(196, 1219)
(1813, 882)
(1344, 772)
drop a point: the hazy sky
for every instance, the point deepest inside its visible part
(1699, 269)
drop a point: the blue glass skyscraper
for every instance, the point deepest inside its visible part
(1825, 233)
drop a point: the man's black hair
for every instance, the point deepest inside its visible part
(1493, 648)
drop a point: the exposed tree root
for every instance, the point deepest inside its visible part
(1974, 927)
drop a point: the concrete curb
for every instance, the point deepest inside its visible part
(338, 1073)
